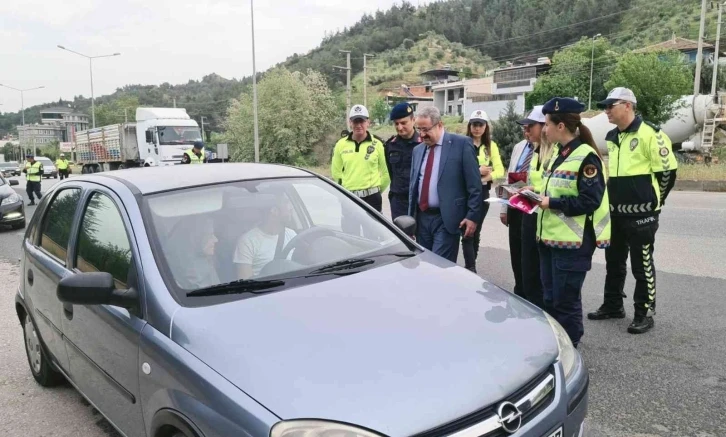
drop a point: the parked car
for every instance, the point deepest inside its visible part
(12, 210)
(334, 322)
(8, 169)
(49, 170)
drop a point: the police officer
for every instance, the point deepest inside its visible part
(33, 173)
(642, 173)
(359, 163)
(399, 151)
(195, 155)
(575, 216)
(62, 165)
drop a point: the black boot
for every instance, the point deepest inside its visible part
(641, 324)
(604, 313)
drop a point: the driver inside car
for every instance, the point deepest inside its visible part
(264, 242)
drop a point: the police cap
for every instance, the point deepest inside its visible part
(199, 145)
(563, 105)
(29, 155)
(401, 110)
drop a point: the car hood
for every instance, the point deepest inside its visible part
(399, 349)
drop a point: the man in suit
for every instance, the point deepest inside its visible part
(445, 190)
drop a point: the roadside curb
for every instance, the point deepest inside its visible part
(710, 186)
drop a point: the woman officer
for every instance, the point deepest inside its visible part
(575, 216)
(490, 168)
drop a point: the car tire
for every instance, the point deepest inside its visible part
(55, 177)
(20, 225)
(41, 368)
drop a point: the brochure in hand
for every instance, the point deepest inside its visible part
(518, 201)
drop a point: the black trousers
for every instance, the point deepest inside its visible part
(32, 187)
(399, 204)
(634, 236)
(63, 174)
(470, 246)
(514, 221)
(531, 278)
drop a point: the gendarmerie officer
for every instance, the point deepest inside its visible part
(642, 173)
(575, 216)
(399, 150)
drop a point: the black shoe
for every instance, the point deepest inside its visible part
(471, 269)
(605, 313)
(641, 324)
(31, 204)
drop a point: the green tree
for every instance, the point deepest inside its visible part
(570, 73)
(658, 79)
(117, 111)
(506, 132)
(380, 111)
(295, 111)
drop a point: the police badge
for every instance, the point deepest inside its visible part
(664, 151)
(369, 151)
(633, 144)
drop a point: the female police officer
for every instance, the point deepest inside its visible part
(575, 216)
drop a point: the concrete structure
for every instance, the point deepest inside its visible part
(39, 135)
(688, 47)
(418, 96)
(57, 124)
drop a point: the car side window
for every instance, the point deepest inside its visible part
(323, 207)
(58, 222)
(103, 245)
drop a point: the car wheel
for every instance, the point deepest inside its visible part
(40, 366)
(20, 225)
(55, 177)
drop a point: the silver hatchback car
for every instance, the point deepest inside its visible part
(264, 300)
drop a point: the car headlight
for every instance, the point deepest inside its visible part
(13, 198)
(568, 355)
(317, 428)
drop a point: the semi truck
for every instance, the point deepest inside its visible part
(158, 137)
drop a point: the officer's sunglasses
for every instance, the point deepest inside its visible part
(612, 105)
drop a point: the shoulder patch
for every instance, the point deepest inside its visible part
(633, 144)
(664, 151)
(590, 171)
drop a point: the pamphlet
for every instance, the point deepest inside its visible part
(519, 202)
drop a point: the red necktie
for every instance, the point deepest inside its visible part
(423, 202)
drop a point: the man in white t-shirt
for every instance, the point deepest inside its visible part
(258, 247)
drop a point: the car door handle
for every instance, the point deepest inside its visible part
(68, 311)
(30, 277)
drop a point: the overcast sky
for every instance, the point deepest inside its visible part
(159, 41)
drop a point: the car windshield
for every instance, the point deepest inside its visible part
(264, 233)
(179, 134)
(8, 165)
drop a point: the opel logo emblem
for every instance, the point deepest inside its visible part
(509, 417)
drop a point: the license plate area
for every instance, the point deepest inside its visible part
(557, 433)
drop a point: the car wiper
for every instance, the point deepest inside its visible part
(354, 263)
(237, 287)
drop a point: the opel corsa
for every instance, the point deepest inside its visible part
(261, 300)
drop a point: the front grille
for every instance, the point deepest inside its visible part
(491, 410)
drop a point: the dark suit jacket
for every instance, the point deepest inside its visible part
(459, 187)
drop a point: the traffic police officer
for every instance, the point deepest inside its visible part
(195, 155)
(62, 166)
(33, 173)
(575, 216)
(642, 173)
(399, 152)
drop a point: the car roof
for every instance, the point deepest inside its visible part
(150, 180)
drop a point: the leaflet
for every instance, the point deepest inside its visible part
(519, 202)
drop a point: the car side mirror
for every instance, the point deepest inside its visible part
(149, 136)
(13, 182)
(407, 224)
(95, 288)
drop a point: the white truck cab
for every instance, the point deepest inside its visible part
(163, 134)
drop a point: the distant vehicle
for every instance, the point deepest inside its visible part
(8, 169)
(158, 137)
(49, 170)
(347, 327)
(12, 210)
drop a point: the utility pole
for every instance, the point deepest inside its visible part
(365, 78)
(347, 68)
(203, 136)
(592, 63)
(174, 101)
(699, 56)
(714, 76)
(254, 85)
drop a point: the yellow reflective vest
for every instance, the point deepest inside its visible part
(494, 161)
(554, 228)
(32, 173)
(194, 159)
(61, 164)
(360, 166)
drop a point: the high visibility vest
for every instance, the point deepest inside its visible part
(554, 228)
(494, 161)
(360, 166)
(634, 156)
(62, 164)
(33, 171)
(194, 159)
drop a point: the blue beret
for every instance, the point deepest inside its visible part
(563, 105)
(198, 144)
(401, 110)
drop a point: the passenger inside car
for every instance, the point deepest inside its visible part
(193, 253)
(264, 243)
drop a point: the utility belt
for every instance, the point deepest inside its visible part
(366, 193)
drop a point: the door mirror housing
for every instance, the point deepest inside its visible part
(13, 182)
(149, 136)
(95, 288)
(407, 224)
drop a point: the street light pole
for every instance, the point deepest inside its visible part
(592, 64)
(699, 55)
(22, 106)
(714, 76)
(254, 85)
(90, 67)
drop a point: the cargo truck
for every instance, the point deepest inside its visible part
(158, 137)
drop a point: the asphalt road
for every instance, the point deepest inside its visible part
(669, 382)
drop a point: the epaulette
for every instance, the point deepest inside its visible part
(654, 126)
(378, 138)
(393, 138)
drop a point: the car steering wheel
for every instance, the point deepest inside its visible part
(305, 237)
